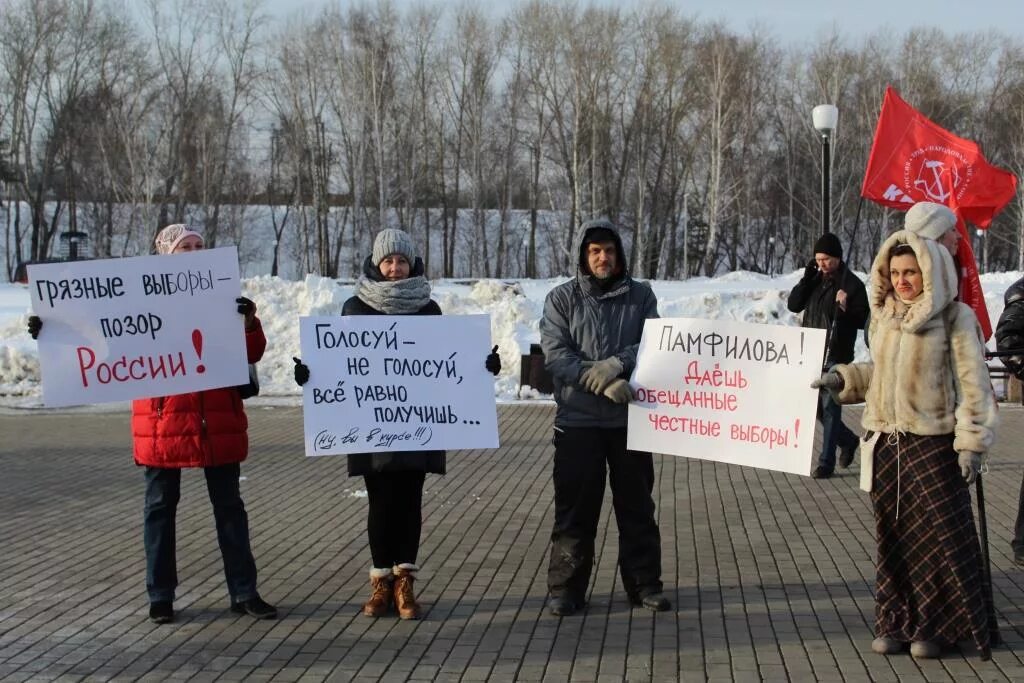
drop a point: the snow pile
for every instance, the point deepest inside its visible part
(515, 307)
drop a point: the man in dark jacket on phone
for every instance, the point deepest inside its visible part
(832, 298)
(590, 334)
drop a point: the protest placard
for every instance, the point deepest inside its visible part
(397, 383)
(120, 329)
(727, 391)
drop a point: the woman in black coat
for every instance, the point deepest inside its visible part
(393, 284)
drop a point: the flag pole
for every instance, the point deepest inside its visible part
(994, 639)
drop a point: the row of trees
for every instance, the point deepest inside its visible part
(489, 138)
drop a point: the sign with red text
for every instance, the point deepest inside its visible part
(120, 329)
(727, 391)
(397, 383)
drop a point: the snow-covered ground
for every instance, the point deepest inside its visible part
(514, 306)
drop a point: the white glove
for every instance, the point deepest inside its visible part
(619, 391)
(600, 374)
(970, 465)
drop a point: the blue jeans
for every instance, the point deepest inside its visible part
(834, 432)
(163, 490)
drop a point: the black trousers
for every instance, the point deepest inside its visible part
(582, 456)
(395, 518)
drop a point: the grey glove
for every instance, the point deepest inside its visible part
(970, 464)
(600, 374)
(619, 391)
(831, 381)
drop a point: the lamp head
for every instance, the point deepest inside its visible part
(825, 118)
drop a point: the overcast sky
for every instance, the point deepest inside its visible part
(794, 20)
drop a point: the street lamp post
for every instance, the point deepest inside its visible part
(982, 256)
(825, 117)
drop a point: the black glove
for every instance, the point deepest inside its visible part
(301, 371)
(811, 271)
(35, 324)
(1015, 364)
(247, 308)
(493, 362)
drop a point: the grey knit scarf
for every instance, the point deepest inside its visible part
(399, 297)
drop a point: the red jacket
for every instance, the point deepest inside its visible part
(195, 430)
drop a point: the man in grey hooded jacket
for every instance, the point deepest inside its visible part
(590, 334)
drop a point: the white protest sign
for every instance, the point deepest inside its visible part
(727, 391)
(120, 329)
(397, 383)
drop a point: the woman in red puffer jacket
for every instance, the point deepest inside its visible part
(203, 429)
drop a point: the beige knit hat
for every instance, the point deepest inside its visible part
(930, 220)
(172, 235)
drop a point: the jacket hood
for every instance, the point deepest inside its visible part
(581, 239)
(937, 271)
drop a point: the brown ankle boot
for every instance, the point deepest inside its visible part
(380, 600)
(405, 596)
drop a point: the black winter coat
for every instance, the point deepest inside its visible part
(393, 461)
(1010, 329)
(816, 297)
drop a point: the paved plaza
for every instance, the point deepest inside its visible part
(770, 574)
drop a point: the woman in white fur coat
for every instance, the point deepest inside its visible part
(931, 411)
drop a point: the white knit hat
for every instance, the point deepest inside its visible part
(930, 220)
(172, 235)
(390, 242)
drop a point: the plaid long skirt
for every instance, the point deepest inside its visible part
(930, 583)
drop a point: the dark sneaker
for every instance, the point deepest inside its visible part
(1018, 558)
(655, 602)
(255, 607)
(821, 473)
(161, 612)
(561, 606)
(846, 454)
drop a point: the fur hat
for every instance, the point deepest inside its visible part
(930, 220)
(829, 244)
(391, 241)
(171, 236)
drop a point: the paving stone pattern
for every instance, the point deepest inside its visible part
(770, 574)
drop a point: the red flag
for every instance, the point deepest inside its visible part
(914, 160)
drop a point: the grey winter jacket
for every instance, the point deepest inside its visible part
(585, 322)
